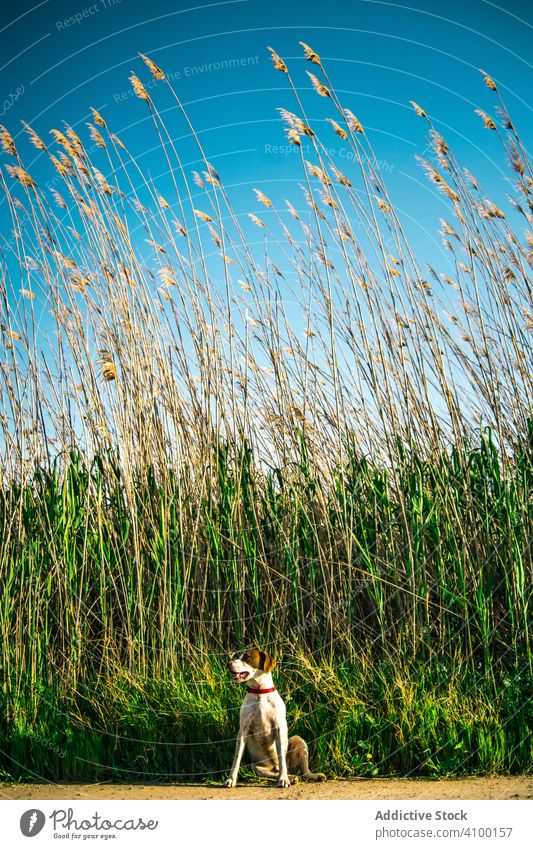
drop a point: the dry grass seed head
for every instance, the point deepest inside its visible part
(279, 64)
(310, 53)
(293, 136)
(35, 139)
(157, 73)
(418, 109)
(319, 87)
(262, 198)
(488, 123)
(353, 123)
(203, 215)
(96, 136)
(489, 82)
(97, 118)
(138, 88)
(6, 140)
(338, 129)
(21, 175)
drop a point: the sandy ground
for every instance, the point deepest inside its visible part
(519, 787)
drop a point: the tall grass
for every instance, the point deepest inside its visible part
(189, 465)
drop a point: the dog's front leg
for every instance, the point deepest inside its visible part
(239, 750)
(282, 741)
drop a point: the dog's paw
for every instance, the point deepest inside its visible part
(283, 781)
(230, 782)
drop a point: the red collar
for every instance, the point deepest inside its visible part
(260, 692)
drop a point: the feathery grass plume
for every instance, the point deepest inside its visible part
(102, 183)
(292, 210)
(6, 141)
(96, 136)
(296, 123)
(165, 294)
(489, 82)
(79, 281)
(341, 178)
(75, 140)
(353, 123)
(436, 178)
(338, 129)
(167, 276)
(327, 200)
(138, 87)
(439, 144)
(262, 198)
(202, 215)
(35, 139)
(117, 141)
(21, 175)
(488, 209)
(345, 233)
(488, 123)
(60, 138)
(504, 115)
(448, 229)
(319, 87)
(215, 237)
(471, 179)
(156, 246)
(278, 62)
(210, 178)
(310, 53)
(317, 172)
(97, 118)
(418, 109)
(293, 136)
(515, 159)
(156, 71)
(256, 220)
(107, 365)
(61, 168)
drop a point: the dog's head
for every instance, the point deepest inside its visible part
(252, 663)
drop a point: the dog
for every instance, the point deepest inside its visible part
(263, 725)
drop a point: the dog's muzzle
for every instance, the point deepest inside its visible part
(238, 675)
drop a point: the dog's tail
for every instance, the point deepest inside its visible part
(314, 776)
(298, 760)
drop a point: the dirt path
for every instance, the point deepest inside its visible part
(519, 787)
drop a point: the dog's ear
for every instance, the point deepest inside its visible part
(267, 663)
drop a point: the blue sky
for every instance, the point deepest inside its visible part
(59, 58)
(380, 55)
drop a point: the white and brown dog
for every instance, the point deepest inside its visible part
(263, 725)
